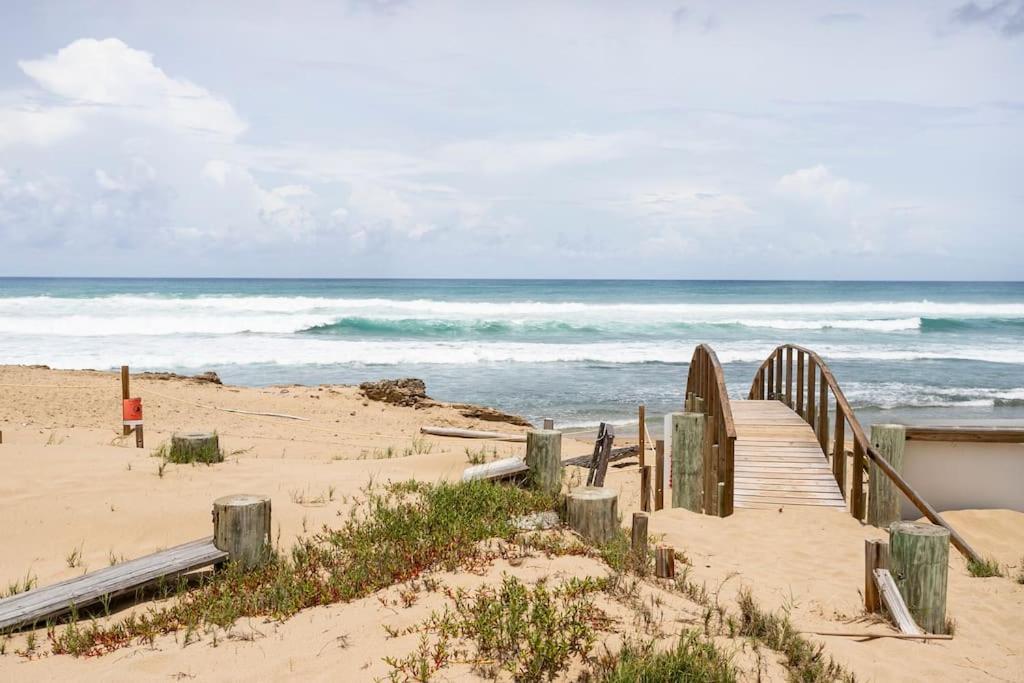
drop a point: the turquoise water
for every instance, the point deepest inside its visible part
(577, 351)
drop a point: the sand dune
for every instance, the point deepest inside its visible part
(71, 482)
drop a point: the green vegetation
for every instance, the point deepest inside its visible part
(694, 658)
(532, 633)
(208, 454)
(481, 455)
(804, 660)
(1020, 574)
(392, 536)
(984, 568)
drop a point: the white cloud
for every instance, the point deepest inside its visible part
(515, 156)
(684, 202)
(818, 184)
(109, 75)
(23, 122)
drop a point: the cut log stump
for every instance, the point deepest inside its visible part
(544, 458)
(241, 528)
(593, 512)
(195, 447)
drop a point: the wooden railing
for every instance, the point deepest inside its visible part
(799, 378)
(706, 383)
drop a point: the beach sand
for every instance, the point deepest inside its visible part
(71, 483)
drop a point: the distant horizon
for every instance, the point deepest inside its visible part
(491, 279)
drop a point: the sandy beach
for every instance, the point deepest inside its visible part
(75, 487)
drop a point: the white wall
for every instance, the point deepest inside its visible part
(963, 476)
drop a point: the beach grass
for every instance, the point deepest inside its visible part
(396, 533)
(692, 658)
(984, 568)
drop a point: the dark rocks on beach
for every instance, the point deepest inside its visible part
(208, 377)
(407, 391)
(412, 392)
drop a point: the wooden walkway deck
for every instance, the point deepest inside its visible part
(778, 459)
(40, 604)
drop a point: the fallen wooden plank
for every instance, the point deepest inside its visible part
(508, 470)
(894, 604)
(872, 635)
(35, 606)
(472, 434)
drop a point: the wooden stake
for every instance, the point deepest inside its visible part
(544, 458)
(665, 562)
(894, 603)
(645, 488)
(919, 561)
(659, 474)
(241, 528)
(125, 394)
(688, 461)
(876, 556)
(641, 419)
(638, 537)
(138, 436)
(593, 513)
(721, 498)
(883, 499)
(549, 423)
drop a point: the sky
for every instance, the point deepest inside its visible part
(784, 140)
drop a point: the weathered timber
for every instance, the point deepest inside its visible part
(883, 499)
(49, 602)
(593, 513)
(472, 434)
(966, 434)
(196, 446)
(638, 535)
(544, 459)
(659, 474)
(688, 461)
(876, 556)
(665, 562)
(498, 469)
(894, 603)
(919, 562)
(241, 528)
(645, 488)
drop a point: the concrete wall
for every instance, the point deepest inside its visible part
(963, 476)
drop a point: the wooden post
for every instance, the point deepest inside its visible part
(789, 376)
(857, 482)
(721, 499)
(876, 556)
(822, 426)
(687, 461)
(549, 423)
(665, 562)
(638, 537)
(125, 395)
(138, 436)
(196, 447)
(811, 371)
(641, 433)
(839, 453)
(799, 382)
(241, 528)
(659, 474)
(883, 499)
(593, 512)
(544, 458)
(919, 561)
(645, 488)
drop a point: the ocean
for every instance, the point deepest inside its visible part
(572, 350)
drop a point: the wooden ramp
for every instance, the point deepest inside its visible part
(778, 459)
(35, 606)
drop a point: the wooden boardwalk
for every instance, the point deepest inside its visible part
(36, 606)
(778, 459)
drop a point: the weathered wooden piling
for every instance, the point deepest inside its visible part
(544, 459)
(883, 498)
(593, 512)
(241, 528)
(638, 535)
(196, 447)
(919, 562)
(688, 461)
(659, 474)
(645, 488)
(665, 562)
(876, 556)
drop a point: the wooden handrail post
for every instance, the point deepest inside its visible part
(857, 482)
(839, 452)
(822, 426)
(771, 378)
(789, 376)
(641, 433)
(800, 383)
(811, 372)
(778, 374)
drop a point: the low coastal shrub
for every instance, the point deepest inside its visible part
(805, 660)
(984, 568)
(532, 633)
(693, 658)
(394, 535)
(208, 454)
(1020, 574)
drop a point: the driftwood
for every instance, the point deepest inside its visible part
(515, 466)
(472, 434)
(872, 636)
(601, 456)
(894, 604)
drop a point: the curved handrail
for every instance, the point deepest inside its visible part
(706, 392)
(774, 380)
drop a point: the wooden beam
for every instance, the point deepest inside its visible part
(893, 602)
(966, 434)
